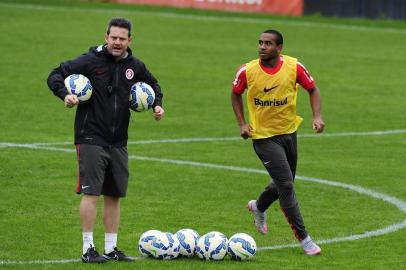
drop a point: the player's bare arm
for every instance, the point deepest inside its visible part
(237, 103)
(315, 103)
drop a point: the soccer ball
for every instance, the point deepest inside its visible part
(212, 246)
(149, 243)
(188, 240)
(142, 96)
(171, 245)
(241, 247)
(158, 245)
(79, 85)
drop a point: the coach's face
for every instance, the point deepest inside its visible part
(267, 47)
(117, 41)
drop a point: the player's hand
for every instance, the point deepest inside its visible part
(318, 124)
(245, 131)
(71, 100)
(158, 112)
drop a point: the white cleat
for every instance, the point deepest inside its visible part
(260, 217)
(310, 247)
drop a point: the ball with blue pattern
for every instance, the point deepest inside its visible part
(241, 246)
(171, 246)
(212, 246)
(142, 97)
(150, 244)
(159, 245)
(187, 240)
(79, 85)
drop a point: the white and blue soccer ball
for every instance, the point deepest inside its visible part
(142, 97)
(241, 246)
(149, 244)
(212, 246)
(79, 85)
(171, 245)
(188, 240)
(159, 245)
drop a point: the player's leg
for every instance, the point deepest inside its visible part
(111, 216)
(111, 221)
(90, 180)
(273, 155)
(259, 206)
(267, 197)
(88, 212)
(114, 188)
(308, 245)
(290, 144)
(284, 169)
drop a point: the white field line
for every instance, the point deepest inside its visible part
(216, 139)
(62, 261)
(235, 19)
(34, 146)
(352, 134)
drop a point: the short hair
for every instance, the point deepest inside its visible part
(120, 22)
(279, 37)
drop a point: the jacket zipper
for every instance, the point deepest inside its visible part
(84, 124)
(115, 87)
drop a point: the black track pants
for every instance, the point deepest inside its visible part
(279, 156)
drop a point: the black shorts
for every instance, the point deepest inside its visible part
(102, 170)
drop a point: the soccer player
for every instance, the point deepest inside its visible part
(101, 130)
(272, 84)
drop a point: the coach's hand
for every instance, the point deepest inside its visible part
(71, 100)
(158, 112)
(245, 131)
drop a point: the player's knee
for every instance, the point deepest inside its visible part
(285, 187)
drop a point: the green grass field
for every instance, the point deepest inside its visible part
(203, 182)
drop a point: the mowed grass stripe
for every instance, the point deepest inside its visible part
(228, 19)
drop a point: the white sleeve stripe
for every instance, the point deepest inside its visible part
(301, 65)
(307, 74)
(237, 76)
(242, 69)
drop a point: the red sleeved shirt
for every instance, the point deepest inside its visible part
(303, 77)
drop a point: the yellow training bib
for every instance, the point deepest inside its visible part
(271, 99)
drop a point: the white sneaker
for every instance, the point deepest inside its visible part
(310, 247)
(260, 217)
